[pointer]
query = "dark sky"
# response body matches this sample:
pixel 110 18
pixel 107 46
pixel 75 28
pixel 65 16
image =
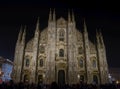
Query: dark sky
pixel 99 15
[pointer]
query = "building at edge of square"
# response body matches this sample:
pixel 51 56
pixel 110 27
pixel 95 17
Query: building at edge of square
pixel 60 53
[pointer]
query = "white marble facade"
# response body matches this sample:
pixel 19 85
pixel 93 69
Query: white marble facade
pixel 60 53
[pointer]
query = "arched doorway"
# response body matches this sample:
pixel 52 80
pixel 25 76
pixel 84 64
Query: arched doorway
pixel 26 78
pixel 61 77
pixel 95 79
pixel 40 79
pixel 82 78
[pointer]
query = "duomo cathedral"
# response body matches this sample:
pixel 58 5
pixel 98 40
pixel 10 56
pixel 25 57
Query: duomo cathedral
pixel 60 53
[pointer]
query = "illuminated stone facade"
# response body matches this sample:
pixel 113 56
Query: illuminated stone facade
pixel 60 53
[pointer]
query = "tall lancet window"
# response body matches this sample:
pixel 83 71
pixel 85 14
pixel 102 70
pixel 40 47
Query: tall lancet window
pixel 61 35
pixel 94 63
pixel 27 62
pixel 41 62
pixel 61 53
pixel 81 63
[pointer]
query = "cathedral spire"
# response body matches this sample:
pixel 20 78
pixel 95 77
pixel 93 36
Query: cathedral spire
pixel 24 34
pixel 69 18
pixel 73 17
pixel 97 33
pixel 20 34
pixel 50 15
pixel 101 37
pixel 37 25
pixel 54 15
pixel 85 26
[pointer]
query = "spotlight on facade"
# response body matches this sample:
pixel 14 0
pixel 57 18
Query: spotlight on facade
pixel 78 76
pixel 43 75
pixel 117 82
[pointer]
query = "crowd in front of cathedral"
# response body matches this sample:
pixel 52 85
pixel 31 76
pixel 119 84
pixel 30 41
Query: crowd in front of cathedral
pixel 54 85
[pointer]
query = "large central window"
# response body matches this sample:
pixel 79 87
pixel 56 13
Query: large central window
pixel 61 35
pixel 94 63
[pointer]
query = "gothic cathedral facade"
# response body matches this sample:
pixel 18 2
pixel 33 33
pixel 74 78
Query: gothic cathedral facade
pixel 60 53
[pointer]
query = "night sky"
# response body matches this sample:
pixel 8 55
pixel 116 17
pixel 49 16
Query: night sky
pixel 98 15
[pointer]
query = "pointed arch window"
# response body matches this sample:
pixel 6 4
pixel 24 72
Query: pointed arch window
pixel 41 62
pixel 80 50
pixel 94 63
pixel 61 53
pixel 81 63
pixel 27 62
pixel 61 35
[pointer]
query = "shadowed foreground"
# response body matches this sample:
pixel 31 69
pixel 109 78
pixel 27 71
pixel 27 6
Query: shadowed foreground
pixel 54 85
